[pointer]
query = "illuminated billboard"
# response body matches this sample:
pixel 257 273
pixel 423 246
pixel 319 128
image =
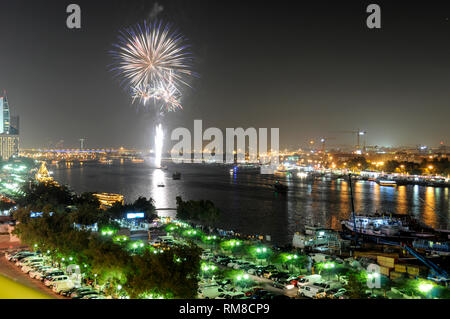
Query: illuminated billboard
pixel 135 215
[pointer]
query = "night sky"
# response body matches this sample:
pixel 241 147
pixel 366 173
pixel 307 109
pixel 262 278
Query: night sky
pixel 313 70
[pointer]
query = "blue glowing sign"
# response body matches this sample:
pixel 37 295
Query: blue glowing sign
pixel 38 214
pixel 135 215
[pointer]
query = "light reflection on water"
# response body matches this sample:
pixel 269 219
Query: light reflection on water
pixel 248 200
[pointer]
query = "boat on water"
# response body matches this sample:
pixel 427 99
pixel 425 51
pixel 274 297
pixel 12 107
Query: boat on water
pixel 391 226
pixel 105 161
pixel 176 175
pixel 281 188
pixel 161 185
pixel 384 226
pixel 387 182
pixel 318 238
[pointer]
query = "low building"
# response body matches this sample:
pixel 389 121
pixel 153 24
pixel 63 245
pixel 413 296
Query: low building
pixel 107 200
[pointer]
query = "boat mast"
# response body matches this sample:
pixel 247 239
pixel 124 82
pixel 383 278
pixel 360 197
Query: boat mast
pixel 353 207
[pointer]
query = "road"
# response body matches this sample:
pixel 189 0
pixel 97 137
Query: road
pixel 20 285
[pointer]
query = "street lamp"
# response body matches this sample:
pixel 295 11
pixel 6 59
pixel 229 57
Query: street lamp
pixel 243 278
pixel 425 287
pixel 328 266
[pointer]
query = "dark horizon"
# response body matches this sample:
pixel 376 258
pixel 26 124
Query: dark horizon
pixel 313 70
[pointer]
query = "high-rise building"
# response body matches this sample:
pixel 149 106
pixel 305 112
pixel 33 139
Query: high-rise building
pixel 9 145
pixel 6 114
pixel 9 134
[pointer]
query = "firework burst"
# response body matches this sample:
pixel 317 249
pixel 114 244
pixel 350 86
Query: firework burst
pixel 154 63
pixel 151 52
pixel 166 96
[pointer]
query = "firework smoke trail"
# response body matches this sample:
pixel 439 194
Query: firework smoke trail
pixel 159 137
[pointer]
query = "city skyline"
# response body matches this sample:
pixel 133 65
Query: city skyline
pixel 311 77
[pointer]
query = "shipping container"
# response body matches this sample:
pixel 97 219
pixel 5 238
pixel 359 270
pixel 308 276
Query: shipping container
pixel 395 275
pixel 400 268
pixel 384 270
pixel 386 261
pixel 413 270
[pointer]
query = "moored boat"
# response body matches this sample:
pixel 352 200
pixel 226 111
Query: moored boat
pixel 176 175
pixel 280 187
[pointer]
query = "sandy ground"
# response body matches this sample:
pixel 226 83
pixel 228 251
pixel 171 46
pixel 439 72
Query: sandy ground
pixel 11 271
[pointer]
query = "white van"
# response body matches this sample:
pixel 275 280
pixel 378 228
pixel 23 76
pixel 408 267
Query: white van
pixel 58 286
pixel 310 291
pixel 210 292
pixel 308 280
pixel 52 281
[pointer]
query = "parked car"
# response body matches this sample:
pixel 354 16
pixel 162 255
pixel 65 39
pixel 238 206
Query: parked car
pixel 50 282
pixel 210 292
pixel 307 280
pixel 31 266
pixel 327 288
pixel 52 273
pixel 280 277
pixel 59 285
pixel 39 270
pixel 21 255
pixel 259 293
pixel 10 255
pixel 328 284
pixel 293 280
pixel 81 292
pixel 310 290
pixel 29 260
pixel 237 295
pixel 337 293
pixel 93 296
pixel 46 272
pixel 67 292
pixel 278 285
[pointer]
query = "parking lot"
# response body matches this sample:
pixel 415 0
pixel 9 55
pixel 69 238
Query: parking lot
pixel 35 271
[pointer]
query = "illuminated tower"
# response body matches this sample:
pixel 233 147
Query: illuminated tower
pixel 9 135
pixel 6 114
